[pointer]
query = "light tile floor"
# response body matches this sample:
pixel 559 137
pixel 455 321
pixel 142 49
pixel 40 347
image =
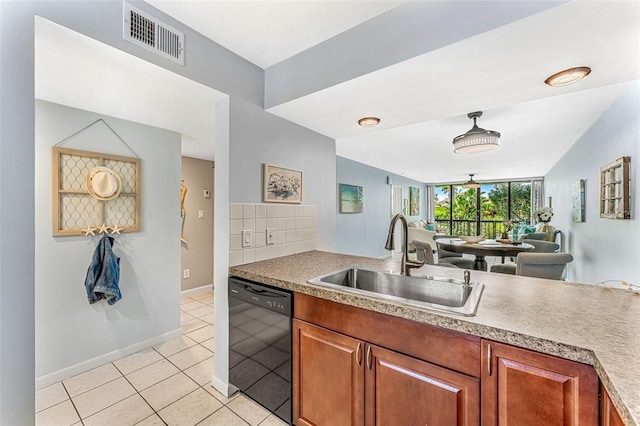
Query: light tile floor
pixel 168 384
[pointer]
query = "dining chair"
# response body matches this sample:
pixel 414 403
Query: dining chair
pixel 424 252
pixel 543 265
pixel 453 258
pixel 538 247
pixel 536 236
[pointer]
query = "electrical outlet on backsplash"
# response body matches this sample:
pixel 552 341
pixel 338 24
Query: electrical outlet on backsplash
pixel 294 229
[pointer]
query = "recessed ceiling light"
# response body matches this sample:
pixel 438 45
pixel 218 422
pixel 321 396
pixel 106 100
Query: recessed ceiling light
pixel 369 121
pixel 568 76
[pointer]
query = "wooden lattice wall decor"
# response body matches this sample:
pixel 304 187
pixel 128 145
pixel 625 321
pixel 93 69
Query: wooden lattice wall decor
pixel 75 210
pixel 615 198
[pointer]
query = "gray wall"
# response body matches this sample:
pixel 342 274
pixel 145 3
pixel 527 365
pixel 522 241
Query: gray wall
pixel 365 233
pixel 207 63
pixel 259 138
pixel 71 335
pixel 197 253
pixel 603 249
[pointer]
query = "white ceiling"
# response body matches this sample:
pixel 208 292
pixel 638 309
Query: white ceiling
pixel 423 101
pixel 266 32
pixel 69 66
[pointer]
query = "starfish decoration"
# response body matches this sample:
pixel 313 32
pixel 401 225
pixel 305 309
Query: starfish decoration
pixel 115 229
pixel 104 229
pixel 89 231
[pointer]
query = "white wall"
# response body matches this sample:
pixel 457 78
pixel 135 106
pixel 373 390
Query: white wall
pixel 603 249
pixel 71 335
pixel 294 231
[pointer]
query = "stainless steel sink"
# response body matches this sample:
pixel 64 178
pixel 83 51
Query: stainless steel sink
pixel 444 294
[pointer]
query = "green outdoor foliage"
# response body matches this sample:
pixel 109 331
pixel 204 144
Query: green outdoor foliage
pixel 494 208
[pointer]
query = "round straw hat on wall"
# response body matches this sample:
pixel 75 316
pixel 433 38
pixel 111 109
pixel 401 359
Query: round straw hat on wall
pixel 103 183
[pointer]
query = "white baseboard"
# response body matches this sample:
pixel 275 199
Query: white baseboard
pixel 196 290
pixel 90 364
pixel 226 389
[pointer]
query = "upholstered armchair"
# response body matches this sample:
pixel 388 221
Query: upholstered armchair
pixel 543 265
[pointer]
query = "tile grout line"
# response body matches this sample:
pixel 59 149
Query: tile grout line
pixel 72 403
pixel 180 370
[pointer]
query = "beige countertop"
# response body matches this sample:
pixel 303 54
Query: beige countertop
pixel 584 323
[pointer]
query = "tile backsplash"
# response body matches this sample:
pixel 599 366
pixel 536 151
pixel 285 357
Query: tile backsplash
pixel 294 230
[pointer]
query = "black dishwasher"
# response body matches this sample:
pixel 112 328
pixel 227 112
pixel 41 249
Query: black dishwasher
pixel 260 344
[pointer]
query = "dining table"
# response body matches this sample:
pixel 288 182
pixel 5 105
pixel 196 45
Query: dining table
pixel 481 249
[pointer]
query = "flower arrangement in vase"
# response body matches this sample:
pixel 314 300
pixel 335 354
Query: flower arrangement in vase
pixel 544 216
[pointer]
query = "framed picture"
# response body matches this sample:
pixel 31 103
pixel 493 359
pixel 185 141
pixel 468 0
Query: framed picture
pixel 577 201
pixel 351 198
pixel 414 201
pixel 281 185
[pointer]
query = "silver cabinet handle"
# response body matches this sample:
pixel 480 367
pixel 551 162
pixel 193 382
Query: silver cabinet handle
pixel 489 359
pixel 369 357
pixel 359 354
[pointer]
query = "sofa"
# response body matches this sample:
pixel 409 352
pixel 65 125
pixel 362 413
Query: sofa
pixel 534 233
pixel 418 231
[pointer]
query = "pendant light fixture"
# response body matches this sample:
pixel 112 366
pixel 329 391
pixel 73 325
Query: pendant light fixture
pixel 471 183
pixel 477 139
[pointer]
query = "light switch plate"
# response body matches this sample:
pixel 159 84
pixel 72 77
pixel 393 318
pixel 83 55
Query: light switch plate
pixel 270 235
pixel 200 214
pixel 247 238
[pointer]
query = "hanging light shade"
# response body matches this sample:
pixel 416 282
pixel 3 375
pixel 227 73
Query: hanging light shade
pixel 477 139
pixel 471 183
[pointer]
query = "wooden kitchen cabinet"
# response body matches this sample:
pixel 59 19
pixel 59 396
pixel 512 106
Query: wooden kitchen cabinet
pixel 609 416
pixel 328 378
pixel 339 380
pixel 525 387
pixel 400 390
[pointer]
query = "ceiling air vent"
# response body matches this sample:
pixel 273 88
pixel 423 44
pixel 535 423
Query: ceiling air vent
pixel 146 31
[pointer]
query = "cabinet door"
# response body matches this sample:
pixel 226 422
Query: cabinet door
pixel 401 390
pixel 525 387
pixel 608 413
pixel 328 377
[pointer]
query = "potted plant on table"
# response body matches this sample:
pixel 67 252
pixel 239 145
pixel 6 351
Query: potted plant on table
pixel 507 227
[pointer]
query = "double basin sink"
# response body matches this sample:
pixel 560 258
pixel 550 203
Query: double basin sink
pixel 443 294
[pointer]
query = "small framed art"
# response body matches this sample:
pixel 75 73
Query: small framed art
pixel 281 185
pixel 351 198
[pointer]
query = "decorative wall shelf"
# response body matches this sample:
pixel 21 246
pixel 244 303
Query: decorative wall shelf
pixel 615 197
pixel 75 209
